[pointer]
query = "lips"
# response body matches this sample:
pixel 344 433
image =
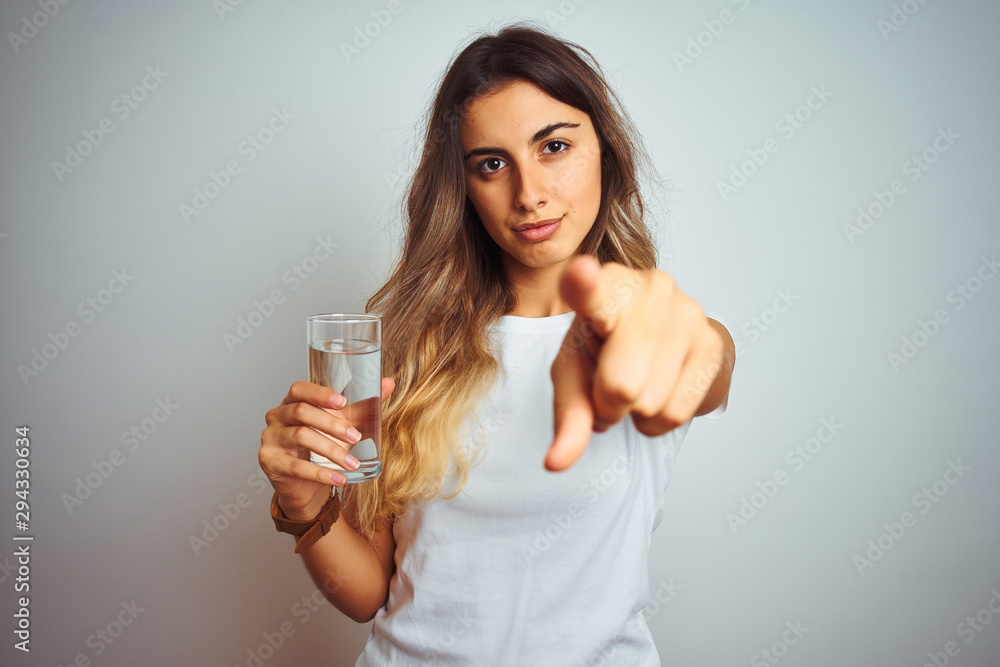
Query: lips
pixel 532 225
pixel 538 231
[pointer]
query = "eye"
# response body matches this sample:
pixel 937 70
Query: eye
pixel 558 142
pixel 492 161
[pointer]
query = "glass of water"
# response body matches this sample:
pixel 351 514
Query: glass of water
pixel 345 354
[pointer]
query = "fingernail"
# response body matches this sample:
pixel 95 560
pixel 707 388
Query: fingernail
pixel 338 401
pixel 351 462
pixel 336 479
pixel 353 434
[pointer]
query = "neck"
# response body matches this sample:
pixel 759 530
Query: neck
pixel 537 291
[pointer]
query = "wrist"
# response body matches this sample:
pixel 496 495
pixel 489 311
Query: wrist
pixel 306 530
pixel 307 513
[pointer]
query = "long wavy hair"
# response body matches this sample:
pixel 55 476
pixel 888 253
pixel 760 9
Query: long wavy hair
pixel 449 286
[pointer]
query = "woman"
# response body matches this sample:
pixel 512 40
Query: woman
pixel 526 296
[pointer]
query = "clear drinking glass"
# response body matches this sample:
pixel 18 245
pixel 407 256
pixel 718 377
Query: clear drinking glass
pixel 345 354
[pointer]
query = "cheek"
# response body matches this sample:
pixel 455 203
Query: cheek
pixel 589 186
pixel 485 205
pixel 595 181
pixel 582 179
pixel 476 197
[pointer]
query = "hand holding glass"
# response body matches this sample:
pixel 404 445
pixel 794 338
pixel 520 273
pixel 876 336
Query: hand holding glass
pixel 345 354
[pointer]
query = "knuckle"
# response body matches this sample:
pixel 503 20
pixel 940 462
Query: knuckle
pixel 656 426
pixel 266 461
pixel 300 411
pixel 268 441
pixel 645 409
pixel 620 391
pixel 676 415
pixel 295 468
pixel 301 434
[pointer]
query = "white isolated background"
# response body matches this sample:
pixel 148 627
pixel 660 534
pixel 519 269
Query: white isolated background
pixel 332 173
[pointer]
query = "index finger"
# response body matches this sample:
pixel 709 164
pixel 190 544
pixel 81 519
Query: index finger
pixel 573 414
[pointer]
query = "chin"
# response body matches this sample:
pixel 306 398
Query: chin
pixel 544 262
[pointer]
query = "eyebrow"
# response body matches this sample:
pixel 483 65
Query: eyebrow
pixel 538 136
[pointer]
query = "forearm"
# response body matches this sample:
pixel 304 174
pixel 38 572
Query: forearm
pixel 720 387
pixel 347 569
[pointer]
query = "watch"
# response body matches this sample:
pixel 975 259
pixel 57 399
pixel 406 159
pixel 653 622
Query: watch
pixel 307 531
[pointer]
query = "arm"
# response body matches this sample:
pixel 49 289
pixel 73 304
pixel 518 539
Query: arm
pixel 352 574
pixel 720 387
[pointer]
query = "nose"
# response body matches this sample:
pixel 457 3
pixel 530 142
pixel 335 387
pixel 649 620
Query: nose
pixel 531 192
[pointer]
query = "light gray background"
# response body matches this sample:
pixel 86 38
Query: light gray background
pixel 330 174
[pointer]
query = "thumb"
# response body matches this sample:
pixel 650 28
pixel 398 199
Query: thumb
pixel 584 286
pixel 572 374
pixel 388 386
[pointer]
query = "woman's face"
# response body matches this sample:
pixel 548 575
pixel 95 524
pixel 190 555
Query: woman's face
pixel 528 159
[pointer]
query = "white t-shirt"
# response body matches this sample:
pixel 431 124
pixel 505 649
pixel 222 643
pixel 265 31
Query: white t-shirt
pixel 527 566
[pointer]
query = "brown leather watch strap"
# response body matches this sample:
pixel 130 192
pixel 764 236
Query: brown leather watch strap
pixel 307 531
